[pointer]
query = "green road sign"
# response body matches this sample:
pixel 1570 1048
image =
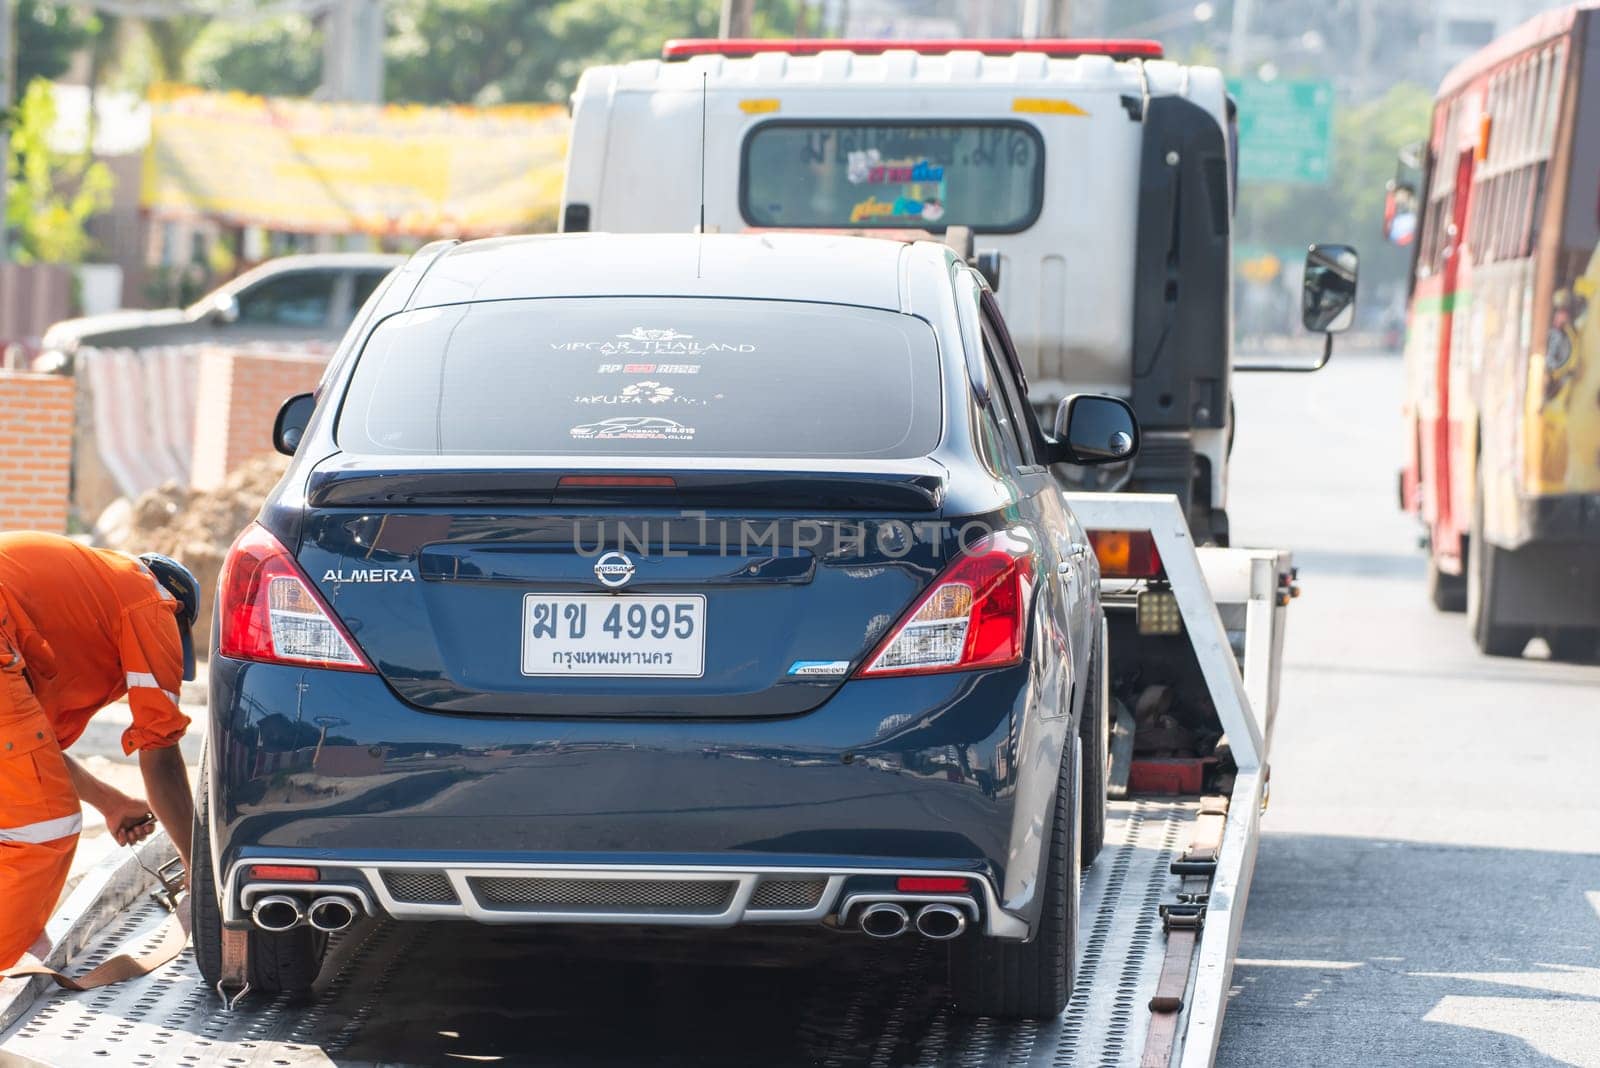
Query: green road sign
pixel 1285 127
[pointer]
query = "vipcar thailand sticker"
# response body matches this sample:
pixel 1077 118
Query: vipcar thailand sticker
pixel 653 341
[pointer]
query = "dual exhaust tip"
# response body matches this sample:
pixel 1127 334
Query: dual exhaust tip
pixel 328 913
pixel 888 919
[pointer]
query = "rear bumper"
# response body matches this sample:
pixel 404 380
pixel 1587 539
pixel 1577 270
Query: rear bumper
pixel 939 775
pixel 683 895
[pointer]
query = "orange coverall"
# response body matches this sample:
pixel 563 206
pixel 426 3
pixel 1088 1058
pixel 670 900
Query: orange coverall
pixel 79 628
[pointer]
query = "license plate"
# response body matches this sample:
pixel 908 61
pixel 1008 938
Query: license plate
pixel 611 634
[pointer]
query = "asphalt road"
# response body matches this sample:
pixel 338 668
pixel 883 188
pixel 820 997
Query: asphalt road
pixel 1428 887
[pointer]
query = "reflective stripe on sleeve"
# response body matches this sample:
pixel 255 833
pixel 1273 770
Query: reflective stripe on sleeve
pixel 143 680
pixel 44 830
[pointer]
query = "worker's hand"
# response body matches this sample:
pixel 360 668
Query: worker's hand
pixel 128 818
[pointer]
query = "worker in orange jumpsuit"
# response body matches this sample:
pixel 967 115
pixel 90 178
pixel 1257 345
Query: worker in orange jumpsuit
pixel 79 628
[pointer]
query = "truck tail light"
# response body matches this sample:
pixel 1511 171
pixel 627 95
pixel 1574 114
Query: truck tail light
pixel 975 615
pixel 270 612
pixel 1126 553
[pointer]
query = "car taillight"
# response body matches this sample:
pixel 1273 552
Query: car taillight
pixel 270 612
pixel 1126 553
pixel 975 615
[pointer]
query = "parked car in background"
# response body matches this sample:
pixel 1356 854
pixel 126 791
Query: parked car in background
pixel 292 299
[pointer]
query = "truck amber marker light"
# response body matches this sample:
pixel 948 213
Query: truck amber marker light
pixel 1126 553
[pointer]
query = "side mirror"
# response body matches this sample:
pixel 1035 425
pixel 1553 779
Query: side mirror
pixel 1327 303
pixel 988 265
pixel 1094 429
pixel 224 309
pixel 293 418
pixel 1328 290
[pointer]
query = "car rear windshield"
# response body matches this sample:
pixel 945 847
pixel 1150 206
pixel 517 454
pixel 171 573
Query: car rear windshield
pixel 926 176
pixel 659 377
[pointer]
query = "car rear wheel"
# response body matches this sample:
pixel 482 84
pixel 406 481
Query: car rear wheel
pixel 1096 735
pixel 1033 979
pixel 287 962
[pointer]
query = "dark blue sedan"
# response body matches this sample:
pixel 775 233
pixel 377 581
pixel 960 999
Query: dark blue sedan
pixel 665 581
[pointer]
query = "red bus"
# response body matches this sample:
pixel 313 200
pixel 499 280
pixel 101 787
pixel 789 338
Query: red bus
pixel 1503 337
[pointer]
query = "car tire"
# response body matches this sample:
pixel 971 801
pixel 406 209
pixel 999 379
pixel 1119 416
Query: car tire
pixel 1448 593
pixel 282 963
pixel 1485 568
pixel 1031 980
pixel 1096 735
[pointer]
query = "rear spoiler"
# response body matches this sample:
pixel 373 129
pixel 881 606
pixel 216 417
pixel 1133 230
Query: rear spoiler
pixel 893 491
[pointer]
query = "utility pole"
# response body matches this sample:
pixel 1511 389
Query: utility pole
pixel 1239 37
pixel 352 67
pixel 1046 18
pixel 352 51
pixel 7 32
pixel 736 16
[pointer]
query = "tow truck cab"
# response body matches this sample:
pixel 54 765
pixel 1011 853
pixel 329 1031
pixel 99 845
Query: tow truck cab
pixel 1097 175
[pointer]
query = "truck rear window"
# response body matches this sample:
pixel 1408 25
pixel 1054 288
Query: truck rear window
pixel 646 377
pixel 925 176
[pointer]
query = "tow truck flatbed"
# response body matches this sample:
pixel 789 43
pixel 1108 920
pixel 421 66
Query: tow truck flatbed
pixel 555 997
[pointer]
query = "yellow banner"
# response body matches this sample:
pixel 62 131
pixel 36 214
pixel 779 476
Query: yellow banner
pixel 311 167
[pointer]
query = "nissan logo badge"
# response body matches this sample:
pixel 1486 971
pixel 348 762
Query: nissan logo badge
pixel 613 569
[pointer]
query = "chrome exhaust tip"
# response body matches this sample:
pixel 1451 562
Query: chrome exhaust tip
pixel 277 912
pixel 331 913
pixel 940 922
pixel 884 919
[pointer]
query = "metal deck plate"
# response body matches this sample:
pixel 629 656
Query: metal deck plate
pixel 429 993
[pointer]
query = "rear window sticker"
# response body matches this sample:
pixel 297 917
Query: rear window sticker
pixel 643 393
pixel 652 341
pixel 633 428
pixel 648 369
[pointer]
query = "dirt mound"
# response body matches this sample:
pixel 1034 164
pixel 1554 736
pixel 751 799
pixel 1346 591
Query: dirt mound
pixel 195 527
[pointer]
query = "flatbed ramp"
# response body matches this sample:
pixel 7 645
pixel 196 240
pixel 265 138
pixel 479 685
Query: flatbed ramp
pixel 441 993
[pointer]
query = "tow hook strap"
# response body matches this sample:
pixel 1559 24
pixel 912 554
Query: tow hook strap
pixel 171 937
pixel 1183 920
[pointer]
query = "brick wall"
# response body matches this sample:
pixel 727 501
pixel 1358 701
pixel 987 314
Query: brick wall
pixel 238 397
pixel 35 450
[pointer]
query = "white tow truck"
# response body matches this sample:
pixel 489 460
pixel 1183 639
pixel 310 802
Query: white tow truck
pixel 1196 630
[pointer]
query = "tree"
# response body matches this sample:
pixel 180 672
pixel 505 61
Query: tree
pixel 279 56
pixel 493 51
pixel 50 196
pixel 47 37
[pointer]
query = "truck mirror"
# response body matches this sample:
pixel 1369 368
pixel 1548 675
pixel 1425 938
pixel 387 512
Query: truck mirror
pixel 1095 429
pixel 988 265
pixel 293 418
pixel 1328 291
